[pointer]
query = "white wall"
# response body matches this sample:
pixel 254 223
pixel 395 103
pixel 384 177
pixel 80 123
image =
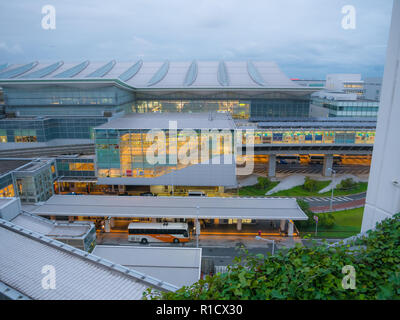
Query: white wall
pixel 383 196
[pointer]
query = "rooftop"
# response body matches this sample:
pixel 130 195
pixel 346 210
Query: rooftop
pixel 162 121
pixel 171 207
pixel 51 228
pixel 157 74
pixel 80 275
pixel 178 266
pixel 10 165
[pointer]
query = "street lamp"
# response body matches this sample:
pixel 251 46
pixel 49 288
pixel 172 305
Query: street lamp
pixel 333 187
pixel 271 241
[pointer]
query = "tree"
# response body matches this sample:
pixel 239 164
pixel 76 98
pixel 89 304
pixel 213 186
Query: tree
pixel 310 184
pixel 263 183
pixel 347 184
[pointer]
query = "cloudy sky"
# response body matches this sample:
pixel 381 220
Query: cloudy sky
pixel 305 37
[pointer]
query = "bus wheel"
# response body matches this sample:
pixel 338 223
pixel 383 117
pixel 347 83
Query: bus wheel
pixel 176 240
pixel 144 241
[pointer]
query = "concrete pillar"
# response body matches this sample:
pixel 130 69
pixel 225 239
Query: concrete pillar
pixel 121 188
pixel 239 225
pixel 290 228
pixel 112 222
pixel 107 226
pixel 283 225
pixel 272 165
pixel 221 189
pixel 328 163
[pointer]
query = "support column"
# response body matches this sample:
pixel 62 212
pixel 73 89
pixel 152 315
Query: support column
pixel 197 224
pixel 239 225
pixel 107 226
pixel 112 222
pixel 290 228
pixel 328 163
pixel 283 225
pixel 221 189
pixel 272 165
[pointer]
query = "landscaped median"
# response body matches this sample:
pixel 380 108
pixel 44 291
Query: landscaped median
pixel 310 188
pixel 346 223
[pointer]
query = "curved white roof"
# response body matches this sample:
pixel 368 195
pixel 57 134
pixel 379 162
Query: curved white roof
pixel 158 74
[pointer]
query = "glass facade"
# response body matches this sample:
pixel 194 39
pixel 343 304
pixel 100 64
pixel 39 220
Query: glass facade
pixel 279 108
pixel 356 108
pixel 325 136
pixel 60 95
pixel 42 130
pixel 75 167
pixel 254 109
pixel 238 109
pixel 124 153
pixel 34 181
pixel 7 186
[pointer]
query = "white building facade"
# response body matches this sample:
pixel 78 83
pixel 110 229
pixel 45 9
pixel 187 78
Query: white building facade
pixel 383 195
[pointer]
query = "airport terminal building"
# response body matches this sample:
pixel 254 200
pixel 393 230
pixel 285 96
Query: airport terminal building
pixel 103 112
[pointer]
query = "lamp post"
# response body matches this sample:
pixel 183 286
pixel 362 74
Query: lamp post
pixel 271 241
pixel 333 179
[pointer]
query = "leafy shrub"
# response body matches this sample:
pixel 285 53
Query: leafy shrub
pixel 263 183
pixel 347 184
pixel 326 220
pixel 305 207
pixel 310 184
pixel 308 272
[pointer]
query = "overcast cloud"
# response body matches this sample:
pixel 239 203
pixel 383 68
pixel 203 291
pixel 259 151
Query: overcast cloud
pixel 304 37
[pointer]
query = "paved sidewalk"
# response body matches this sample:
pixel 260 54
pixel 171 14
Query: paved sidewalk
pixel 340 206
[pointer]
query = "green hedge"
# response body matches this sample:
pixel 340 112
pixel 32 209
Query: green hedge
pixel 308 272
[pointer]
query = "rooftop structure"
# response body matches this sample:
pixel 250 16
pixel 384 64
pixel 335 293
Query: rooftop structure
pixel 79 275
pixel 81 235
pixel 178 266
pixel 150 121
pixel 160 74
pixel 172 207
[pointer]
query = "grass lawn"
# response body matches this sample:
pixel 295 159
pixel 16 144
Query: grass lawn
pixel 361 187
pixel 299 191
pixel 347 224
pixel 253 191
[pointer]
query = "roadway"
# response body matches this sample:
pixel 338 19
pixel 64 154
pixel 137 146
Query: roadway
pixel 325 201
pixel 314 169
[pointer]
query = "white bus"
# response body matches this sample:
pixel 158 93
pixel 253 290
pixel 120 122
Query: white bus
pixel 158 232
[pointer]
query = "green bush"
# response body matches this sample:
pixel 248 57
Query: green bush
pixel 308 273
pixel 310 184
pixel 263 183
pixel 347 184
pixel 306 209
pixel 326 220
